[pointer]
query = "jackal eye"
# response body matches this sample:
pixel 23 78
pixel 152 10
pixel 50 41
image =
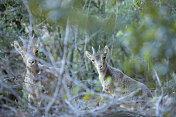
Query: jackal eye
pixel 93 61
pixel 36 52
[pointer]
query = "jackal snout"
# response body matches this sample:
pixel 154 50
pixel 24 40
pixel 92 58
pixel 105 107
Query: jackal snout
pixel 30 62
pixel 100 67
pixel 29 51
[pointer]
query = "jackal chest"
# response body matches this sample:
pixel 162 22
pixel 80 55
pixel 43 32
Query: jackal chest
pixel 31 84
pixel 106 83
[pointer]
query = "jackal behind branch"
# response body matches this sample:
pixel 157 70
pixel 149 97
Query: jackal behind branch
pixel 40 80
pixel 114 81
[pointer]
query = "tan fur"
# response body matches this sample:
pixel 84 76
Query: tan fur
pixel 40 80
pixel 114 81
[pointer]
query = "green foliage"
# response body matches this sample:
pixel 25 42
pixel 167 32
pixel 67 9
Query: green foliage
pixel 87 96
pixel 141 36
pixel 75 90
pixel 66 96
pixel 154 40
pixel 57 14
pixel 137 4
pixel 24 98
pixel 108 80
pixel 124 90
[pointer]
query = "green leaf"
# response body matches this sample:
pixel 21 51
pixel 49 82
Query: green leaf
pixel 66 96
pixel 124 90
pixel 109 79
pixel 119 33
pixel 75 90
pixel 39 72
pixel 87 96
pixel 115 84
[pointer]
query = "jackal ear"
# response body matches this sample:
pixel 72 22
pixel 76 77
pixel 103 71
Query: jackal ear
pixel 37 43
pixel 17 47
pixel 105 50
pixel 89 55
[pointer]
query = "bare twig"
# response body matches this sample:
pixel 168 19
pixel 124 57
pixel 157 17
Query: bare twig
pixel 9 11
pixel 84 5
pixel 10 107
pixel 76 35
pixel 61 70
pixel 86 38
pixel 83 41
pixel 25 2
pixel 158 112
pixel 11 90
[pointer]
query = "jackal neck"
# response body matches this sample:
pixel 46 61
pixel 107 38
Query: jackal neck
pixel 103 72
pixel 34 70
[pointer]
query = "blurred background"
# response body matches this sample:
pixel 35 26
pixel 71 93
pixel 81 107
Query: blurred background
pixel 141 36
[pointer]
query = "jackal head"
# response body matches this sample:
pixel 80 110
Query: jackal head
pixel 28 51
pixel 98 58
